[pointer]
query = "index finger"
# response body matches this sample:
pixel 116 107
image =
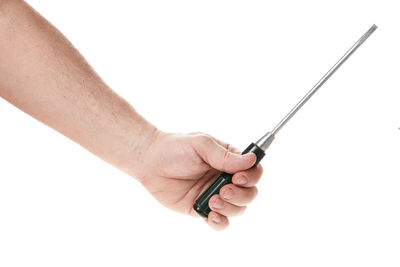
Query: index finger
pixel 248 178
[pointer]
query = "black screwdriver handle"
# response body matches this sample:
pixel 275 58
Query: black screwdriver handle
pixel 201 204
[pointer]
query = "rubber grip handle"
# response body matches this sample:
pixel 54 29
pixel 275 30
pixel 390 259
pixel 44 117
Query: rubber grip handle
pixel 201 204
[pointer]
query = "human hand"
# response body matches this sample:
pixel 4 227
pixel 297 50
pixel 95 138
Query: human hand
pixel 66 94
pixel 178 167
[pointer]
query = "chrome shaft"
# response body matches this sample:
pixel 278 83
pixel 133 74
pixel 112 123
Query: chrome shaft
pixel 267 139
pixel 323 80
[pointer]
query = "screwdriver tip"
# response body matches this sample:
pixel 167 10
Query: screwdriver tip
pixel 371 30
pixel 367 34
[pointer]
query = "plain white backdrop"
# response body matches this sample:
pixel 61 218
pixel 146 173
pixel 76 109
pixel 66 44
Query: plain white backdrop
pixel 330 193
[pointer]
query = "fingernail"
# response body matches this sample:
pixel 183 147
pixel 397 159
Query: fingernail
pixel 218 204
pixel 242 180
pixel 249 155
pixel 216 219
pixel 228 194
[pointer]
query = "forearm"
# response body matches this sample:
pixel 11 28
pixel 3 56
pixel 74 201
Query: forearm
pixel 45 76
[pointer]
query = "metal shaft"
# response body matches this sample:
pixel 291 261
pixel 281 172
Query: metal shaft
pixel 201 205
pixel 267 139
pixel 323 80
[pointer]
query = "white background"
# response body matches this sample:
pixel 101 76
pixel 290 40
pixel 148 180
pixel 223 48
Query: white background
pixel 330 193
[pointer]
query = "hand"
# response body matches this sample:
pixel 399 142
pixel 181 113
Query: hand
pixel 66 94
pixel 178 167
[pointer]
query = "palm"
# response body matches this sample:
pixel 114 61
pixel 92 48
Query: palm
pixel 178 174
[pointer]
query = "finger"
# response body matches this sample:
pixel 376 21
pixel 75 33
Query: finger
pixel 221 158
pixel 217 221
pixel 222 143
pixel 239 196
pixel 229 147
pixel 248 178
pixel 217 204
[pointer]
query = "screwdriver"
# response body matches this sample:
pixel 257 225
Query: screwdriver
pixel 201 204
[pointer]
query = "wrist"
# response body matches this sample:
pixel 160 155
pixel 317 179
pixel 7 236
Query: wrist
pixel 142 137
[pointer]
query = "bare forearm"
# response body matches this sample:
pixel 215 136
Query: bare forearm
pixel 42 74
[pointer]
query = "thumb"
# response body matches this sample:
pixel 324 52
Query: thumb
pixel 221 158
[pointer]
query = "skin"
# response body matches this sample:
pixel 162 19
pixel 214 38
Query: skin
pixel 42 74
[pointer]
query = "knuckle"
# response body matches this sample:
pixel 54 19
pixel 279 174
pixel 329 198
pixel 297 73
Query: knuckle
pixel 196 133
pixel 227 156
pixel 260 169
pixel 242 210
pixel 229 147
pixel 228 187
pixel 255 192
pixel 204 138
pixel 237 211
pixel 213 200
pixel 199 137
